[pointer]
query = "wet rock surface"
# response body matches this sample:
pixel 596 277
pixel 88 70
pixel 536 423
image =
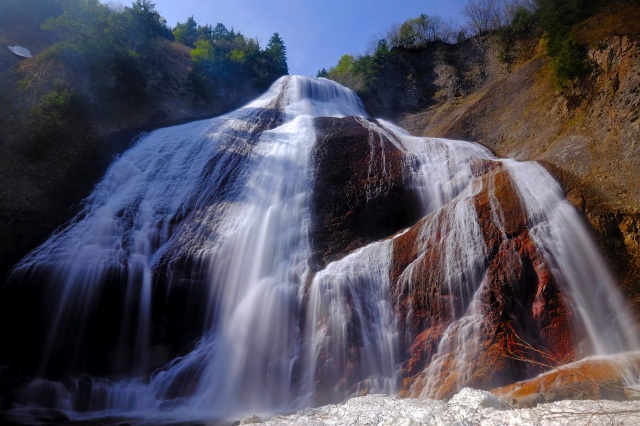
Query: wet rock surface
pixel 595 378
pixel 520 303
pixel 360 191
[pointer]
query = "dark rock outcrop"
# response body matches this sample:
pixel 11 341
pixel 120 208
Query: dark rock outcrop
pixel 360 187
pixel 411 80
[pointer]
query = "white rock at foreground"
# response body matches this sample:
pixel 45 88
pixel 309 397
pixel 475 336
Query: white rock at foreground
pixel 467 408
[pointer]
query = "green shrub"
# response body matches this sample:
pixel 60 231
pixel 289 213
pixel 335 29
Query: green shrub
pixel 559 19
pixel 23 84
pixel 48 120
pixel 570 61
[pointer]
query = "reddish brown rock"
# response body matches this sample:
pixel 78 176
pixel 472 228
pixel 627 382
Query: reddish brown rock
pixel 423 347
pixel 524 322
pixel 594 378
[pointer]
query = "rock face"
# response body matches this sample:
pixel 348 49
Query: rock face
pixel 592 378
pixel 361 190
pixel 468 272
pixel 417 265
pixel 514 306
pixel 416 79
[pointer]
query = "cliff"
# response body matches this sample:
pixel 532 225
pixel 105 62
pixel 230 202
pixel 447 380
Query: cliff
pixel 586 136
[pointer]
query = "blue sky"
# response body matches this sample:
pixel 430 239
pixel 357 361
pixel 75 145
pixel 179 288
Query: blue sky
pixel 316 32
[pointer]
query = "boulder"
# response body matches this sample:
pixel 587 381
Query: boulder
pixel 603 377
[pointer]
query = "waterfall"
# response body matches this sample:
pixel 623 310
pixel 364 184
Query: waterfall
pixel 353 290
pixel 558 230
pixel 197 248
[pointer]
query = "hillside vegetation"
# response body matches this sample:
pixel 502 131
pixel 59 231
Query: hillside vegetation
pixel 100 75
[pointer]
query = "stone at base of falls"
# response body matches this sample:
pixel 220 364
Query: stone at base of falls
pixel 591 378
pixel 251 420
pixel 476 398
pixel 520 304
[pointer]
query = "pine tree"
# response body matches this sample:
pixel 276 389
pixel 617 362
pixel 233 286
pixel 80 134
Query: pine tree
pixel 276 54
pixel 186 33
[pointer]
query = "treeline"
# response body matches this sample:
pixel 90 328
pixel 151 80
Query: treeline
pixel 124 45
pixel 362 72
pixel 225 54
pixel 118 46
pixel 102 59
pixel 560 22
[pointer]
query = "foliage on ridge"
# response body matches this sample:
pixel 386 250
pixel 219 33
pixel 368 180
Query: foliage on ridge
pixel 569 27
pixel 122 45
pixel 121 51
pixel 224 56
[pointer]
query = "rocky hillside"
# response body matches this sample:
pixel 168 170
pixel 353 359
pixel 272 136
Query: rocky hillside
pixel 504 96
pixel 52 158
pixel 64 118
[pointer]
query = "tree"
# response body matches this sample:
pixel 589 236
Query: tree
pixel 276 55
pixel 139 26
pixel 27 13
pixel 427 29
pixel 203 52
pixel 343 71
pixel 146 18
pixel 85 25
pixel 482 15
pixel 221 32
pixel 407 35
pixel 393 35
pixel 382 50
pixel 417 32
pixel 486 15
pixel 186 33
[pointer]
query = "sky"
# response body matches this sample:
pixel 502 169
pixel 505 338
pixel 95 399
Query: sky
pixel 316 32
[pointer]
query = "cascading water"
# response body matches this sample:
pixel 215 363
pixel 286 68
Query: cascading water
pixel 557 230
pixel 217 215
pixel 353 290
